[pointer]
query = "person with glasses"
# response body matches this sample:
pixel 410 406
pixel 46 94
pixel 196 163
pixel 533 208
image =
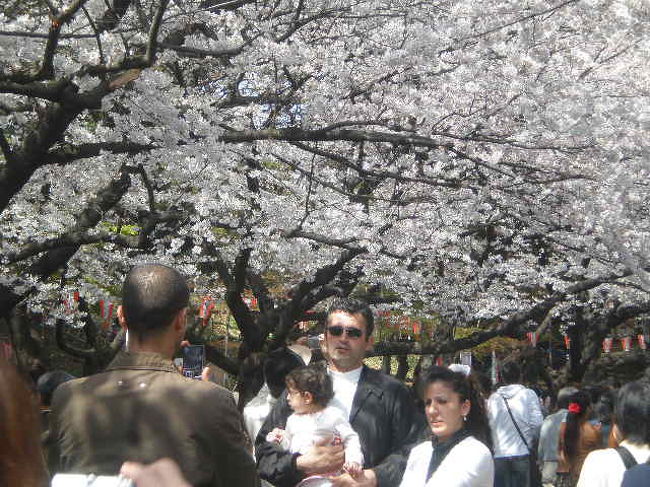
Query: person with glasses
pixel 379 408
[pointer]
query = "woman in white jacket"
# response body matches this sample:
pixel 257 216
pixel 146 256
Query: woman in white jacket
pixel 457 455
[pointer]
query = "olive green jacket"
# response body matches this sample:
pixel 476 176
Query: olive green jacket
pixel 142 409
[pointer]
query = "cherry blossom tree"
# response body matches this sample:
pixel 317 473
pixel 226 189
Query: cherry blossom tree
pixel 483 160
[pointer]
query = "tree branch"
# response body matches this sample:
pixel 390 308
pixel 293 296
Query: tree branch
pixel 71 239
pixel 5 147
pixel 152 39
pixel 63 344
pixel 86 219
pixel 70 153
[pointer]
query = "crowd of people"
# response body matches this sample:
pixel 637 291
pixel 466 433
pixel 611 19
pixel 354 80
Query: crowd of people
pixel 335 423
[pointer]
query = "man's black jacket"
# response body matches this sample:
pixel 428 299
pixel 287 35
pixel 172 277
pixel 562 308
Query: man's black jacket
pixel 383 415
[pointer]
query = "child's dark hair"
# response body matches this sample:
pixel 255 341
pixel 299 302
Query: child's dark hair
pixel 312 379
pixel 468 389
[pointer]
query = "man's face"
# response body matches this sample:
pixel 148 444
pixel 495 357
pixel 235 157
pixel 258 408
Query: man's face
pixel 346 341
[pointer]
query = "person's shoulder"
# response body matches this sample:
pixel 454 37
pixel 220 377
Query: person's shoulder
pixel 208 388
pixel 381 379
pixel 602 456
pixel 69 389
pixel 474 448
pixel 421 449
pixel 332 412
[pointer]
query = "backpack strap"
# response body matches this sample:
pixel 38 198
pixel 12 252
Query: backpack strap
pixel 628 460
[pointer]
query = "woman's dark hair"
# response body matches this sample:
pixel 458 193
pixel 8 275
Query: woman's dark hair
pixel 468 389
pixel 578 408
pixel 313 379
pixel 632 412
pixel 21 459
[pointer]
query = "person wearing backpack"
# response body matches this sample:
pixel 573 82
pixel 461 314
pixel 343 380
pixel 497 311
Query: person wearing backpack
pixel 637 476
pixel 606 468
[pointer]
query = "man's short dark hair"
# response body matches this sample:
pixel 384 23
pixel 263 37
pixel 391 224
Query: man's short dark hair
pixel 564 396
pixel 511 372
pixel 48 382
pixel 632 412
pixel 152 295
pixel 276 367
pixel 353 307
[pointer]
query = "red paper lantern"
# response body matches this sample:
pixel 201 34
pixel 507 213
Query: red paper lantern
pixel 607 344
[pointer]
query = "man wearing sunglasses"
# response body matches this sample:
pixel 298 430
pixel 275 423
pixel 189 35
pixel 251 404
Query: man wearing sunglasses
pixel 379 408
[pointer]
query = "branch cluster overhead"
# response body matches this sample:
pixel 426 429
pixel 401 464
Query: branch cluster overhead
pixel 482 160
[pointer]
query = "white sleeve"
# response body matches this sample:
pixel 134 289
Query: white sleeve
pixel 350 440
pixel 535 416
pixel 415 472
pixel 289 431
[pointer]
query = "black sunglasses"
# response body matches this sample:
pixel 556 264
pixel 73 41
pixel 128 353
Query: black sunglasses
pixel 337 331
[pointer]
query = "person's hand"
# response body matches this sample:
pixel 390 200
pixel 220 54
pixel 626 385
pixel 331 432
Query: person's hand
pixel 161 473
pixel 366 478
pixel 275 436
pixel 321 459
pixel 207 375
pixel 353 468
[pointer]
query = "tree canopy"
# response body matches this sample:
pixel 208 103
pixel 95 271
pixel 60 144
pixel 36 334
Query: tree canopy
pixel 485 160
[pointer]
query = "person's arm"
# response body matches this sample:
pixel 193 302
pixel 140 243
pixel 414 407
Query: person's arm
pixel 235 464
pixel 274 463
pixel 535 417
pixel 161 473
pixel 407 424
pixel 350 441
pixel 283 468
pixel 51 441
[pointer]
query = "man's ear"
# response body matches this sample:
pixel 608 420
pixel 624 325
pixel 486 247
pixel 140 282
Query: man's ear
pixel 120 317
pixel 180 321
pixel 370 343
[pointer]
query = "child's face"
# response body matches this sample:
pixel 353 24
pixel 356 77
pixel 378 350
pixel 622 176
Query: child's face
pixel 300 402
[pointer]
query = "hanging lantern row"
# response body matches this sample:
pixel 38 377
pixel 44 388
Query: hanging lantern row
pixel 71 302
pixel 626 343
pixel 205 309
pixel 398 327
pixel 106 312
pixel 251 302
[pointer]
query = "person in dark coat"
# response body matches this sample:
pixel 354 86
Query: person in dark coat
pixel 379 408
pixel 141 408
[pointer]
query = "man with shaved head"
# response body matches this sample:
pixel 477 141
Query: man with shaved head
pixel 141 408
